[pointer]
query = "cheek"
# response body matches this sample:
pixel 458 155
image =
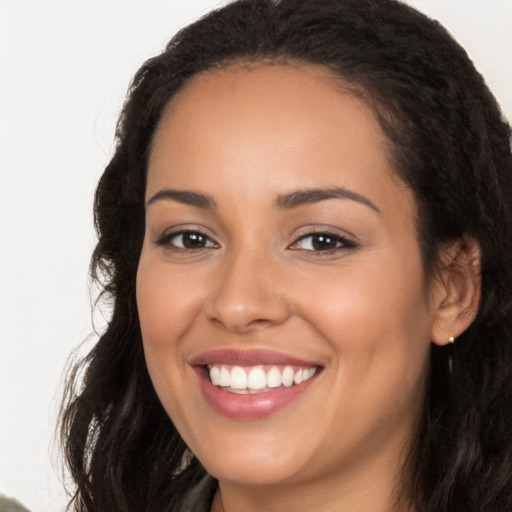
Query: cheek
pixel 358 300
pixel 164 308
pixel 166 301
pixel 376 323
pixel 377 327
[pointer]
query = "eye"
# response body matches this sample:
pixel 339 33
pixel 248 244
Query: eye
pixel 186 240
pixel 322 242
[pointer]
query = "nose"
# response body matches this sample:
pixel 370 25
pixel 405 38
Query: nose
pixel 247 295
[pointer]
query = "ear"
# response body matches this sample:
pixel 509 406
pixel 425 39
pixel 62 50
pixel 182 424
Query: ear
pixel 456 289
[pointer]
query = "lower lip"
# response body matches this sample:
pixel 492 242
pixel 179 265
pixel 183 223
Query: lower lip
pixel 251 406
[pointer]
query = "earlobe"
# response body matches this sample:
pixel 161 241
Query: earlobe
pixel 457 287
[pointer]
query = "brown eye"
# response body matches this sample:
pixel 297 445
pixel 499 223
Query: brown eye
pixel 191 240
pixel 322 242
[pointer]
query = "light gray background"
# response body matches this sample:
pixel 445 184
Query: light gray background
pixel 64 69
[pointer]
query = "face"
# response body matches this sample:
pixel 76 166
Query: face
pixel 280 289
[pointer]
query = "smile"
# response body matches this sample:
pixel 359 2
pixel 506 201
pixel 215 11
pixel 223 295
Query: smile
pixel 253 384
pixel 257 379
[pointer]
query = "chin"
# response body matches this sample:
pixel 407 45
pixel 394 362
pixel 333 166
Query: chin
pixel 264 473
pixel 257 465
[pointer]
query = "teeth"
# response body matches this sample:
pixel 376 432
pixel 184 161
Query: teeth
pixel 308 373
pixel 252 380
pixel 225 377
pixel 238 378
pixel 274 377
pixel 257 378
pixel 215 375
pixel 288 375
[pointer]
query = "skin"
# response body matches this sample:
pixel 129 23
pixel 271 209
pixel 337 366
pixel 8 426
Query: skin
pixel 244 136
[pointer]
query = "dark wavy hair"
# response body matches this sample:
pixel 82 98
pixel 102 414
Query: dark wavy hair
pixel 450 145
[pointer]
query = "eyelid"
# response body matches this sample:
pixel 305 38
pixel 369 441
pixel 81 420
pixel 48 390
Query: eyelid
pixel 165 239
pixel 344 241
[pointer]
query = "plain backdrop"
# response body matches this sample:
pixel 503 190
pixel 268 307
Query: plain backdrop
pixel 64 70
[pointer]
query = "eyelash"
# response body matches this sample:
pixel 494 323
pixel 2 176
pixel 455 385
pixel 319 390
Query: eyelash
pixel 167 239
pixel 341 243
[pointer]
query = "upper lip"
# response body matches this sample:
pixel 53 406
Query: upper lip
pixel 248 358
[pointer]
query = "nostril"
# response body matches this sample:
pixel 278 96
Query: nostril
pixel 240 318
pixel 261 321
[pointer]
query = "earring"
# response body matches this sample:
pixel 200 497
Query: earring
pixel 451 341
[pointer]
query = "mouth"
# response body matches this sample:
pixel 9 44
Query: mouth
pixel 257 379
pixel 255 384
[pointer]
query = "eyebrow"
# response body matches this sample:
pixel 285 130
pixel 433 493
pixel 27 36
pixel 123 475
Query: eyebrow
pixel 283 201
pixel 315 195
pixel 185 197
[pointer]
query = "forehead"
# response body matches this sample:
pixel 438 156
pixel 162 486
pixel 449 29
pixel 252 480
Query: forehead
pixel 299 92
pixel 297 101
pixel 292 126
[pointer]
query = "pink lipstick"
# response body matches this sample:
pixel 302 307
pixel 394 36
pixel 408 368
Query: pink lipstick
pixel 252 384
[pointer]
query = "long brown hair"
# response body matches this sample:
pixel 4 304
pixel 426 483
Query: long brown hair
pixel 451 146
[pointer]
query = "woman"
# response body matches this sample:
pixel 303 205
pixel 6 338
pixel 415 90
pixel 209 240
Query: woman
pixel 304 232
